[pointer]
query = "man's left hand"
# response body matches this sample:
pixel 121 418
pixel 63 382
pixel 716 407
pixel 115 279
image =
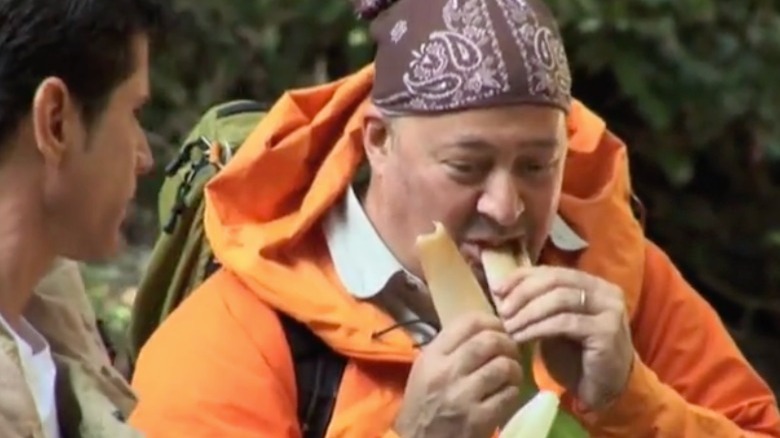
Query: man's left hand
pixel 581 323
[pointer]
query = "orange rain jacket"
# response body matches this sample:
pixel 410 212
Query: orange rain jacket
pixel 219 366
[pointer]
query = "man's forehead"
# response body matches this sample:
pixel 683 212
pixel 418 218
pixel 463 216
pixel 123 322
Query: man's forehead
pixel 137 86
pixel 488 141
pixel 477 129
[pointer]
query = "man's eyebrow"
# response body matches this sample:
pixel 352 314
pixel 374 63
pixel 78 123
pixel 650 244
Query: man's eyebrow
pixel 481 144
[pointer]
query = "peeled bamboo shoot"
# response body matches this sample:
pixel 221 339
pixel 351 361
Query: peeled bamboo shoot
pixel 536 417
pixel 455 291
pixel 453 287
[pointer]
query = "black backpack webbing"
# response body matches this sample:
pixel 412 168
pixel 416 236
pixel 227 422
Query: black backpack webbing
pixel 318 371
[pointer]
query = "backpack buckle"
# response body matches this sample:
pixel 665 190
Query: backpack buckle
pixel 180 204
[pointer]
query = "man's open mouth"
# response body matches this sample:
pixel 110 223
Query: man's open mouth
pixel 472 250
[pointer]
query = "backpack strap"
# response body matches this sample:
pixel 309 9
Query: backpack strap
pixel 318 372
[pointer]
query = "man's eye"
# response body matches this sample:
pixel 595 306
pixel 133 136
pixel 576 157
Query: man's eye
pixel 535 168
pixel 464 167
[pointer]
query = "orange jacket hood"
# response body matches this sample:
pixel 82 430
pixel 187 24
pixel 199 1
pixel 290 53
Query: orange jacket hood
pixel 301 158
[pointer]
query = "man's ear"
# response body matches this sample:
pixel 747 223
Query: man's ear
pixel 376 136
pixel 53 113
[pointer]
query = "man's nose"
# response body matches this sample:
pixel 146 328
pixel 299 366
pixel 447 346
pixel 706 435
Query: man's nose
pixel 144 160
pixel 501 202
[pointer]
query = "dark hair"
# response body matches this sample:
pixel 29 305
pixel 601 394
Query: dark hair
pixel 370 9
pixel 86 43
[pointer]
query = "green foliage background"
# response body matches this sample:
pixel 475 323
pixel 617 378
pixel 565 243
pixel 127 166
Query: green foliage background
pixel 690 85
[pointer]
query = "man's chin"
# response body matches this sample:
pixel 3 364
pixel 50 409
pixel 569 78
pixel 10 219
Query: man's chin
pixel 116 246
pixel 104 251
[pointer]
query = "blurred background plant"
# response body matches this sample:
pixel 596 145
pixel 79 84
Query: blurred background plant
pixel 690 85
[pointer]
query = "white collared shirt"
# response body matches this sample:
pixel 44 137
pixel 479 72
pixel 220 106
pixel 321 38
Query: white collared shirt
pixel 39 372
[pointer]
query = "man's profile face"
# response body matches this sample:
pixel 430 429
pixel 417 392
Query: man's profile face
pixel 87 191
pixel 492 177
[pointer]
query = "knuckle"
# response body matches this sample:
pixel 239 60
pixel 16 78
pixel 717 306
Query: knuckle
pixel 620 305
pixel 489 344
pixel 473 423
pixel 453 406
pixel 510 402
pixel 594 283
pixel 609 329
pixel 471 323
pixel 502 368
pixel 478 321
pixel 613 292
pixel 452 399
pixel 500 373
pixel 615 326
pixel 490 340
pixel 564 299
pixel 612 307
pixel 502 344
pixel 434 370
pixel 509 369
pixel 503 406
pixel 512 394
pixel 439 376
pixel 612 296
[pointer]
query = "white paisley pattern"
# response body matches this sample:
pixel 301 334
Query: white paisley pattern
pixel 457 65
pixel 541 50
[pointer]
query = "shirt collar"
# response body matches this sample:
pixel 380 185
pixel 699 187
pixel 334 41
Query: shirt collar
pixel 363 261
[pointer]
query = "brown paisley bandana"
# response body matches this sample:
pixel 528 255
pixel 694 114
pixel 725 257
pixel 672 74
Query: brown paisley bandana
pixel 448 55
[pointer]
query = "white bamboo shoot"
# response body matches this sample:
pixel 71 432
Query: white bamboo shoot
pixel 535 419
pixel 453 287
pixel 455 291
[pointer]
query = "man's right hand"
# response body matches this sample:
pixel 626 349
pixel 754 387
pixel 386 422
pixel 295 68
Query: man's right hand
pixel 465 383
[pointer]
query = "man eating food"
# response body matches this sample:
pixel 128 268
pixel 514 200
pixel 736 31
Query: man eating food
pixel 465 118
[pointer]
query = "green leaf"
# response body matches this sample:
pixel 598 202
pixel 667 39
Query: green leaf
pixel 773 238
pixel 677 166
pixel 655 111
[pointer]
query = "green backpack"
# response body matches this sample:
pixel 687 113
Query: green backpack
pixel 182 259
